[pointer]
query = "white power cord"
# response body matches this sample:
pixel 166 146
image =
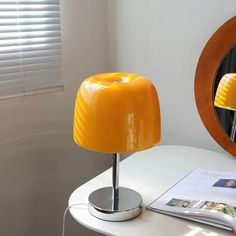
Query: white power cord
pixel 64 216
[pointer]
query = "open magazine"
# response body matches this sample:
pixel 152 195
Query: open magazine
pixel 203 195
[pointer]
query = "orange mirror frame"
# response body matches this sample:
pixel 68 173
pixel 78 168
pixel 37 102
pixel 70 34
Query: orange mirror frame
pixel 213 53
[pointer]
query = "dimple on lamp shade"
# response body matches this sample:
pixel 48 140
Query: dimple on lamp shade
pixel 116 113
pixel 226 97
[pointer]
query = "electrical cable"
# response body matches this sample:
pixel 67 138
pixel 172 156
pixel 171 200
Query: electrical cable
pixel 64 216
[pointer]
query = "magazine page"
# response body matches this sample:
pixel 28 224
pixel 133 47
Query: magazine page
pixel 202 194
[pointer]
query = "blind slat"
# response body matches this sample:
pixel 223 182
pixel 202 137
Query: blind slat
pixel 29 41
pixel 29 21
pixel 30 54
pixel 27 35
pixel 29 2
pixel 28 7
pixel 30 47
pixel 31 67
pixel 12 17
pixel 29 61
pixel 28 28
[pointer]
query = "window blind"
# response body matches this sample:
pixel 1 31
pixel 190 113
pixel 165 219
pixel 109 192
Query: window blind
pixel 30 46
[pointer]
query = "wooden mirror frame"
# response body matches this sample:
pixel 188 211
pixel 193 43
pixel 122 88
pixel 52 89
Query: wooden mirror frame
pixel 211 57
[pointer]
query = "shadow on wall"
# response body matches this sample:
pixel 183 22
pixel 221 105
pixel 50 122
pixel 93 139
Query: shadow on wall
pixel 37 175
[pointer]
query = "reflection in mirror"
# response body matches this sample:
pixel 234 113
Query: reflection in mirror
pixel 225 93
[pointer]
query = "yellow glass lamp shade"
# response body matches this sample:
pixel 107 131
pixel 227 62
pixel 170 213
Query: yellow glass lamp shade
pixel 226 92
pixel 117 113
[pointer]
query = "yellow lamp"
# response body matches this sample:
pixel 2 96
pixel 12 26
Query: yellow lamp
pixel 226 97
pixel 116 113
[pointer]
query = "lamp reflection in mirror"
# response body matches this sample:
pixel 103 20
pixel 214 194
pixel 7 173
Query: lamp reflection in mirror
pixel 226 97
pixel 116 113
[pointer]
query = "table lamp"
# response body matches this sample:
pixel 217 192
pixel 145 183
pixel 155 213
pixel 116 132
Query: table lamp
pixel 116 113
pixel 226 97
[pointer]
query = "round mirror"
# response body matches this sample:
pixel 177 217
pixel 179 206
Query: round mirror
pixel 217 59
pixel 224 91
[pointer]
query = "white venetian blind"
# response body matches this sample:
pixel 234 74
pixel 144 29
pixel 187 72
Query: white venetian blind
pixel 30 46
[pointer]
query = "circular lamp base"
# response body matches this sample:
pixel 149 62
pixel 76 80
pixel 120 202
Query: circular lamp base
pixel 127 207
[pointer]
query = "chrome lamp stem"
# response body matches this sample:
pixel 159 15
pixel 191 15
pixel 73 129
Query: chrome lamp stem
pixel 115 180
pixel 233 130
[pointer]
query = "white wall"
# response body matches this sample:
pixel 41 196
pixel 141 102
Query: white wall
pixel 163 40
pixel 39 163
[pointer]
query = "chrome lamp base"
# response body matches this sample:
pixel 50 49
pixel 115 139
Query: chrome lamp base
pixel 126 205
